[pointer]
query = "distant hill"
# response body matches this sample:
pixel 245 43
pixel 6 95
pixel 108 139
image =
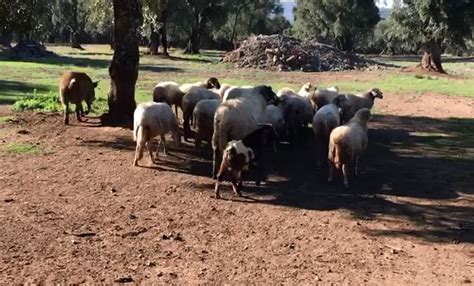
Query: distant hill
pixel 288 11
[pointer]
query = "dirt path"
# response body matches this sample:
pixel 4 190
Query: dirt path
pixel 78 212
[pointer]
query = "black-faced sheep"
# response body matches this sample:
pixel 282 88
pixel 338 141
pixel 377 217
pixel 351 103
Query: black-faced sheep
pixel 325 120
pixel 355 102
pixel 151 119
pixel 75 87
pixel 238 117
pixel 347 143
pixel 240 154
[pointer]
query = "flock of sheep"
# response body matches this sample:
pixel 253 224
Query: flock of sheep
pixel 240 122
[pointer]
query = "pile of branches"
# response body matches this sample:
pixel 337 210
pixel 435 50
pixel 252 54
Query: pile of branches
pixel 283 53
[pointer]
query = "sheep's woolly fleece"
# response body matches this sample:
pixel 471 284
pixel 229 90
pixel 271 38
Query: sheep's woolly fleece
pixel 241 149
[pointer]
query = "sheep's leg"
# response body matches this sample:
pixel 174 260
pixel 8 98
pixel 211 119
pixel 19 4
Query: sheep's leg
pixel 163 141
pixel 356 166
pixel 176 111
pixel 148 146
pixel 216 189
pixel 138 153
pixel 345 172
pixel 215 156
pixel 66 113
pixel 236 188
pixel 331 172
pixel 79 111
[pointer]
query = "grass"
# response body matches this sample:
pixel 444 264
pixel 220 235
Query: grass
pixel 33 84
pixel 5 119
pixel 23 148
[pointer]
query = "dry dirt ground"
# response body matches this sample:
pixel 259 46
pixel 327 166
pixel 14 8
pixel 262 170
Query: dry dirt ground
pixel 76 211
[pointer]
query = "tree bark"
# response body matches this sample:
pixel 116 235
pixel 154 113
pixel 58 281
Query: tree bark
pixel 153 48
pixel 73 40
pixel 123 69
pixel 431 59
pixel 6 38
pixel 163 32
pixel 195 39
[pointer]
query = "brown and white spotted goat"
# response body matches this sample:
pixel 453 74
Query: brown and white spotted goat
pixel 240 154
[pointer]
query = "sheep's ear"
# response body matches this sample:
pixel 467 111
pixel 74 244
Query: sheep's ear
pixel 96 83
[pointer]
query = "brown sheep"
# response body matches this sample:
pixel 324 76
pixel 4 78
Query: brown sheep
pixel 74 87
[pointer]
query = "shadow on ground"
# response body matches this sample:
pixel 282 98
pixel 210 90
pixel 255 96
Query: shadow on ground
pixel 415 169
pixel 11 90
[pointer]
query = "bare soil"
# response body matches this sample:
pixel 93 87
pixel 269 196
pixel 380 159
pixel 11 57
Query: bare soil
pixel 79 212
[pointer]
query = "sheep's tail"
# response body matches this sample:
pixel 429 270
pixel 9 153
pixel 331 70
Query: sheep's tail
pixel 336 153
pixel 71 83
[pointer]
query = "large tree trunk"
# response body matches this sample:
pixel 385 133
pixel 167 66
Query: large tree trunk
pixel 194 42
pixel 6 38
pixel 154 43
pixel 163 32
pixel 123 69
pixel 164 39
pixel 73 40
pixel 431 59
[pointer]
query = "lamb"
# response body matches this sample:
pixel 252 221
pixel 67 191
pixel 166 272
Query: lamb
pixel 190 100
pixel 172 93
pixel 347 143
pixel 325 120
pixel 240 154
pixel 236 92
pixel 204 120
pixel 355 102
pixel 238 117
pixel 74 87
pixel 151 119
pixel 321 97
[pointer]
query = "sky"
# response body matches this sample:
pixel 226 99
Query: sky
pixel 381 3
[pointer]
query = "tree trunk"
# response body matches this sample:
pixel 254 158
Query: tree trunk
pixel 153 48
pixel 431 59
pixel 123 69
pixel 74 42
pixel 6 39
pixel 194 42
pixel 164 39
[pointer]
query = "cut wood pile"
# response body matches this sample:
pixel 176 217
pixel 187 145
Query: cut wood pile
pixel 283 53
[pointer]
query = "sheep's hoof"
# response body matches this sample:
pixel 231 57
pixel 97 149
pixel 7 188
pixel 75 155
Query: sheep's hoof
pixel 329 180
pixel 257 183
pixel 217 196
pixel 346 186
pixel 135 164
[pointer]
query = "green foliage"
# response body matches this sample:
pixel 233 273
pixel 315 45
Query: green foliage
pixel 449 22
pixel 338 21
pixel 44 102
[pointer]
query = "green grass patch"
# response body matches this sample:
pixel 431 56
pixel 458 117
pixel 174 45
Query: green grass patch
pixel 23 148
pixel 7 118
pixel 40 102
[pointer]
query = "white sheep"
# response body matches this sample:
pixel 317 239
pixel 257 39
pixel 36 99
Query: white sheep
pixel 190 100
pixel 235 118
pixel 172 93
pixel 151 119
pixel 325 120
pixel 306 90
pixel 236 92
pixel 355 102
pixel 274 115
pixel 204 120
pixel 347 143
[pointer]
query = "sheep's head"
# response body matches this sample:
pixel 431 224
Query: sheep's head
pixel 213 83
pixel 376 93
pixel 269 135
pixel 363 114
pixel 267 93
pixel 339 100
pixel 308 87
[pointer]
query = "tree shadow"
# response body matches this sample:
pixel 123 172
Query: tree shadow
pixel 416 169
pixel 11 90
pixel 417 58
pixel 158 68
